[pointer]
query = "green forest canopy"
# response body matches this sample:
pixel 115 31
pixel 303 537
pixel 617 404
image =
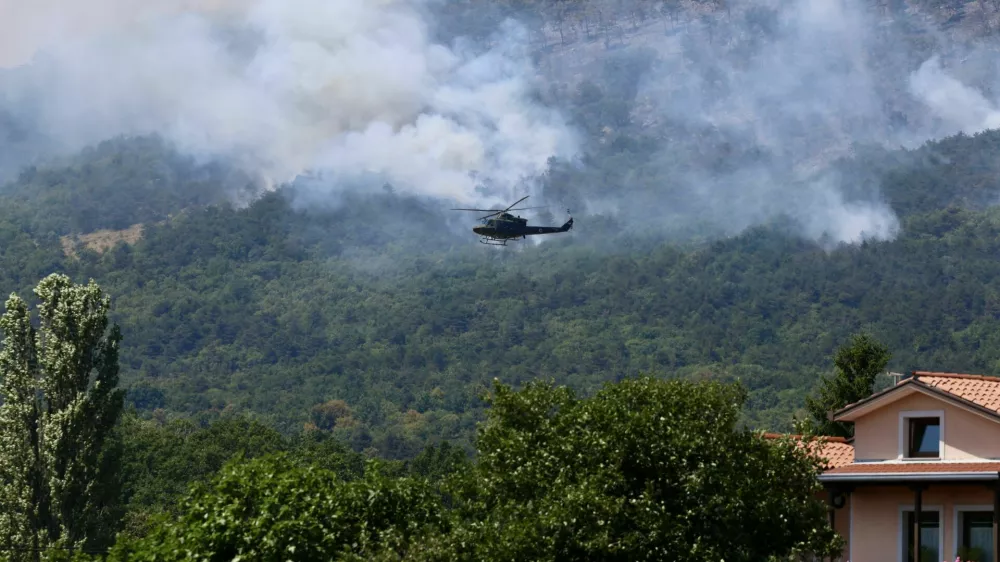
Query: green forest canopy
pixel 375 316
pixel 278 311
pixel 637 472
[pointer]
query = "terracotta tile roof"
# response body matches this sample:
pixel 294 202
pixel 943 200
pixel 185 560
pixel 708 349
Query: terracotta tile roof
pixel 838 454
pixel 928 467
pixel 836 450
pixel 979 389
pixel 976 391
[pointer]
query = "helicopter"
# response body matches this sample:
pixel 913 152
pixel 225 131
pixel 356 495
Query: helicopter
pixel 500 226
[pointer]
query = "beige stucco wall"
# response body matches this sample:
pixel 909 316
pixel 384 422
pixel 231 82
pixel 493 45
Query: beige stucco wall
pixel 966 435
pixel 875 526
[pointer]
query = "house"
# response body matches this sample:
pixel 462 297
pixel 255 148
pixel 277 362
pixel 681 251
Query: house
pixel 923 473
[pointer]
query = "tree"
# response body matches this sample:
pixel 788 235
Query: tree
pixel 645 470
pixel 60 408
pixel 273 508
pixel 857 365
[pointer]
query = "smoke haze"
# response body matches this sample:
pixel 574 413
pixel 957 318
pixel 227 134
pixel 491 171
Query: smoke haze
pixel 777 92
pixel 284 86
pixel 359 90
pixel 958 107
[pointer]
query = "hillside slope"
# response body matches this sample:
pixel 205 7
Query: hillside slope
pixel 279 310
pixel 739 213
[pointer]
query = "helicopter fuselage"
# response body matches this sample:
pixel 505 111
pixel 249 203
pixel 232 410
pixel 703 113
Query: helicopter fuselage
pixel 508 226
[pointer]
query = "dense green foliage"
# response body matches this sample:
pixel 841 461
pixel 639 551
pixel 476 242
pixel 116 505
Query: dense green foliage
pixel 376 318
pixel 59 470
pixel 161 460
pixel 147 183
pixel 279 310
pixel 857 366
pixel 272 509
pixel 643 470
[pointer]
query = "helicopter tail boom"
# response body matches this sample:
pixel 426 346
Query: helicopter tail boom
pixel 549 229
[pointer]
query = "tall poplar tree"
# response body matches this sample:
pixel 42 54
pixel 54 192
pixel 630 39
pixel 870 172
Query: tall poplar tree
pixel 60 406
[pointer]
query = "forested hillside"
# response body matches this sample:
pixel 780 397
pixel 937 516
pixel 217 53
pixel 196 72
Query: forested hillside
pixel 726 228
pixel 329 317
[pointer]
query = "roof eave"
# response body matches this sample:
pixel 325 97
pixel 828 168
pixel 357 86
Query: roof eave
pixel 909 476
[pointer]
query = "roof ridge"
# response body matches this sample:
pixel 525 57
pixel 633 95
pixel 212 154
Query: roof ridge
pixel 984 400
pixel 918 374
pixel 909 380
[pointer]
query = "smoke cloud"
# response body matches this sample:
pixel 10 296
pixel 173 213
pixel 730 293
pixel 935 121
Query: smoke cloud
pixel 749 107
pixel 355 88
pixel 755 105
pixel 957 107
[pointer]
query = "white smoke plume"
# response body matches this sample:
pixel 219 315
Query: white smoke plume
pixel 958 107
pixel 782 90
pixel 357 87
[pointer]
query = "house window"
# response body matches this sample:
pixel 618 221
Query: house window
pixel 930 536
pixel 925 438
pixel 975 541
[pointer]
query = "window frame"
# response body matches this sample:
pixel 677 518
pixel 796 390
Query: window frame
pixel 902 528
pixel 957 524
pixel 904 434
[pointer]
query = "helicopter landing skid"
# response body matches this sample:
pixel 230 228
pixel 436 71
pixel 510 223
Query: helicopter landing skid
pixel 492 242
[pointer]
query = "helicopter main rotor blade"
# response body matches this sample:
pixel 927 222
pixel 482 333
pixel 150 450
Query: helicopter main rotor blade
pixel 501 210
pixel 516 202
pixel 509 209
pixel 494 212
